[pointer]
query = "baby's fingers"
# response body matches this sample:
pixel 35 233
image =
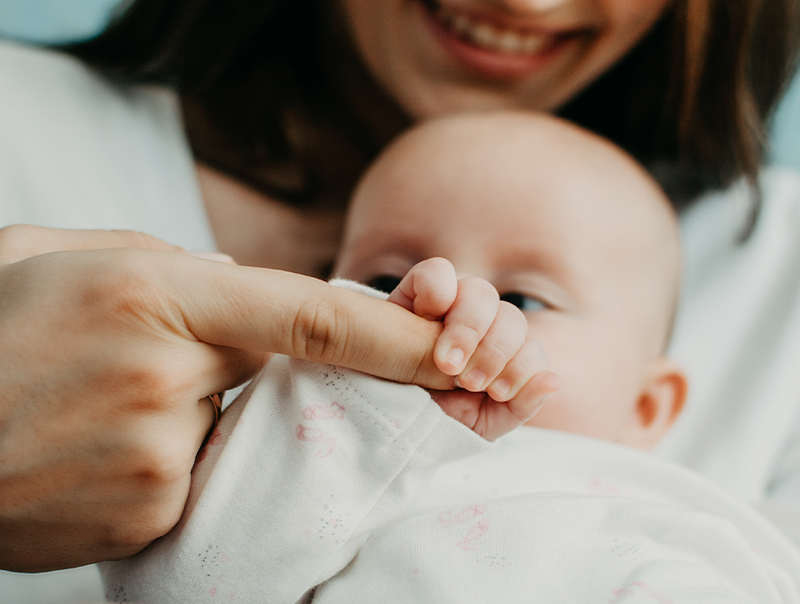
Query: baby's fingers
pixel 496 419
pixel 428 289
pixel 492 419
pixel 527 362
pixel 498 347
pixel 532 396
pixel 466 324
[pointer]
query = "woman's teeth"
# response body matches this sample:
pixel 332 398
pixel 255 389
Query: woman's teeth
pixel 486 35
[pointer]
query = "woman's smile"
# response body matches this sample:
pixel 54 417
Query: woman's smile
pixel 440 56
pixel 495 46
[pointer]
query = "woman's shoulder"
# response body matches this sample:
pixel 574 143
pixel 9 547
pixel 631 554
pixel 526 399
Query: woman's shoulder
pixel 28 71
pixel 17 58
pixel 737 335
pixel 43 85
pixel 718 219
pixel 80 151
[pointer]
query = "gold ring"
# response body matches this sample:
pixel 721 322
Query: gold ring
pixel 216 402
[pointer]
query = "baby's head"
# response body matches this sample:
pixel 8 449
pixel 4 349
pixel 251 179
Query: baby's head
pixel 564 225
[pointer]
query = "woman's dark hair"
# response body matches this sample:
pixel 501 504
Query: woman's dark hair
pixel 274 95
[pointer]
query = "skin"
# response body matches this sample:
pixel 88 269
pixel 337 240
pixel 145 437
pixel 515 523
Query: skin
pixel 479 331
pixel 404 54
pixel 94 472
pixel 138 334
pixel 399 48
pixel 571 224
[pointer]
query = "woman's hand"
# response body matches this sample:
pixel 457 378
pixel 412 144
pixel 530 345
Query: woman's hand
pixel 111 341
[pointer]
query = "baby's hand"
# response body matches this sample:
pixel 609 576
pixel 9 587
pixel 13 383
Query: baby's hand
pixel 485 343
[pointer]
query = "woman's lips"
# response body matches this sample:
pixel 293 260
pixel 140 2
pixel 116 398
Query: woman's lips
pixel 489 47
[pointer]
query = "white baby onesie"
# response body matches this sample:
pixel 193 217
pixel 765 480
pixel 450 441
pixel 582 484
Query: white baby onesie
pixel 321 477
pixel 301 469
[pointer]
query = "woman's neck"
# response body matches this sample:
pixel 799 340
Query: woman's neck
pixel 302 120
pixel 259 231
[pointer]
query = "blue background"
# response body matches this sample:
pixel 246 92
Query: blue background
pixel 62 20
pixel 54 20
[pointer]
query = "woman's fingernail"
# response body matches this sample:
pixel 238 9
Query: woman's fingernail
pixel 455 357
pixel 477 377
pixel 215 256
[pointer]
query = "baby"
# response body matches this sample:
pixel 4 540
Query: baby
pixel 567 228
pixel 333 486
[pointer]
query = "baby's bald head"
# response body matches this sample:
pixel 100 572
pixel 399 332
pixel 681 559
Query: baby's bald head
pixel 525 176
pixel 541 209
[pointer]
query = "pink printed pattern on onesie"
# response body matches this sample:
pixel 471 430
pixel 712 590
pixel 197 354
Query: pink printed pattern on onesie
pixel 638 587
pixel 470 540
pixel 326 442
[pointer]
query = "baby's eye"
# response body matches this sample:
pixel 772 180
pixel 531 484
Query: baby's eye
pixel 384 283
pixel 523 302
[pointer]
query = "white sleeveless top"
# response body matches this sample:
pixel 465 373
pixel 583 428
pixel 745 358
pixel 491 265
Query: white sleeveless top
pixel 79 152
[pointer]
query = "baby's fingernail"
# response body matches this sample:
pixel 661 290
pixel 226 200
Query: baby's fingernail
pixel 500 387
pixel 477 377
pixel 455 357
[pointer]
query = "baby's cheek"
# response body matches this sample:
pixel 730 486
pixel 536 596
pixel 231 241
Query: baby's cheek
pixel 554 416
pixel 566 413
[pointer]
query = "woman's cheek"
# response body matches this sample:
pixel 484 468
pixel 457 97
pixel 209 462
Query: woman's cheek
pixel 430 70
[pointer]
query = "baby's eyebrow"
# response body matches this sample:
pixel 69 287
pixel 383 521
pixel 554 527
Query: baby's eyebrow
pixel 383 241
pixel 538 260
pixel 545 268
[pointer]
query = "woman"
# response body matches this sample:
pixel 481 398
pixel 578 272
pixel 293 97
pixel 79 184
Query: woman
pixel 284 103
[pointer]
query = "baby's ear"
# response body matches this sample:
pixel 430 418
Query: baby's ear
pixel 660 401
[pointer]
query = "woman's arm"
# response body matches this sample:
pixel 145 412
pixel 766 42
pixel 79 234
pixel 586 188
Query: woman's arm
pixel 107 348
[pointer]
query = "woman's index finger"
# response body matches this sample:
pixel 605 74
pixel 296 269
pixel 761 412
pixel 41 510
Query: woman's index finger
pixel 303 317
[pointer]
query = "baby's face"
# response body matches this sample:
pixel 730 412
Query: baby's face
pixel 580 241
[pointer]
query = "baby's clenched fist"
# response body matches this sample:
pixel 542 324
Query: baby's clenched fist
pixel 485 343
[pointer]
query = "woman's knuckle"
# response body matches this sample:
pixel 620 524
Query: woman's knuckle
pixel 130 535
pixel 126 285
pixel 320 332
pixel 139 371
pixel 159 465
pixel 133 270
pixel 146 383
pixel 137 239
pixel 145 524
pixel 154 383
pixel 164 519
pixel 158 475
